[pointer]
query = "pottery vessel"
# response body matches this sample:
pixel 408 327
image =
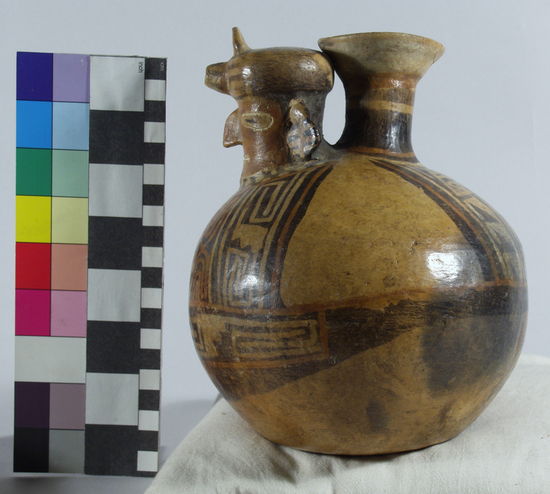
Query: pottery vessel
pixel 346 299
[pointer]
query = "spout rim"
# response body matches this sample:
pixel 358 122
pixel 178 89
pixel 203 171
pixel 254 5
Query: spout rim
pixel 331 41
pixel 382 52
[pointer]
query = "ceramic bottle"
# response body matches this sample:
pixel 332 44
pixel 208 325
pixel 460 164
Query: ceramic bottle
pixel 347 299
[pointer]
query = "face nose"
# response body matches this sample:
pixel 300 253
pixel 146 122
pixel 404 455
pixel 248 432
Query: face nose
pixel 232 132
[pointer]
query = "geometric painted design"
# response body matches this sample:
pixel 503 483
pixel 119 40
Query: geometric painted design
pixel 269 337
pixel 90 138
pixel 269 208
pixel 484 229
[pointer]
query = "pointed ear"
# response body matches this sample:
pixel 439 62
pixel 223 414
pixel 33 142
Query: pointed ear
pixel 232 132
pixel 303 136
pixel 239 44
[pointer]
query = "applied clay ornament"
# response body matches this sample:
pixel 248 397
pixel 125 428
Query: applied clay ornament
pixel 346 299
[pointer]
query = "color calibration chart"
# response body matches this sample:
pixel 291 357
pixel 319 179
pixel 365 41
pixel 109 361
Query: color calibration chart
pixel 89 263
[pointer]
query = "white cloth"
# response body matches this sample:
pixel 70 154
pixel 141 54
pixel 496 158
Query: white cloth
pixel 506 450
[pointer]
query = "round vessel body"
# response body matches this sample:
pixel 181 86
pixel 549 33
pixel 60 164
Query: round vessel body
pixel 346 299
pixel 361 305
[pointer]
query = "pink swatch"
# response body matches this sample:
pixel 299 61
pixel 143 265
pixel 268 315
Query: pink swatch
pixel 32 312
pixel 68 314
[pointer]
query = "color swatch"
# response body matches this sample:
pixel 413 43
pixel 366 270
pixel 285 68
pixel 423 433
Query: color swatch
pixel 89 260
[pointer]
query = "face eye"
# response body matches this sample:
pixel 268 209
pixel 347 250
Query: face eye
pixel 257 121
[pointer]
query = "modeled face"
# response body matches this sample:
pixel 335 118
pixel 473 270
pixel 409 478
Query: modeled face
pixel 258 126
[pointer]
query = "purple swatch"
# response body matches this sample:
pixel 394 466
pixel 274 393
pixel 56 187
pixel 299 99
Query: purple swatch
pixel 67 406
pixel 70 78
pixel 32 405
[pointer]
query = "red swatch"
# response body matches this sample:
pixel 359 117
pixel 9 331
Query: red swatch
pixel 32 265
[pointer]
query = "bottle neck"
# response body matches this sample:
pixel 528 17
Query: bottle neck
pixel 380 72
pixel 379 111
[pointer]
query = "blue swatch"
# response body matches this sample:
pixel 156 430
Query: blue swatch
pixel 34 76
pixel 34 124
pixel 71 126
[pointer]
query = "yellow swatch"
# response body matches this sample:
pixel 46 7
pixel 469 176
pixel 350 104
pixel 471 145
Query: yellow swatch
pixel 69 220
pixel 33 219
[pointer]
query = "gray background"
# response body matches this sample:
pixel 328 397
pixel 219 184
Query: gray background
pixel 481 117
